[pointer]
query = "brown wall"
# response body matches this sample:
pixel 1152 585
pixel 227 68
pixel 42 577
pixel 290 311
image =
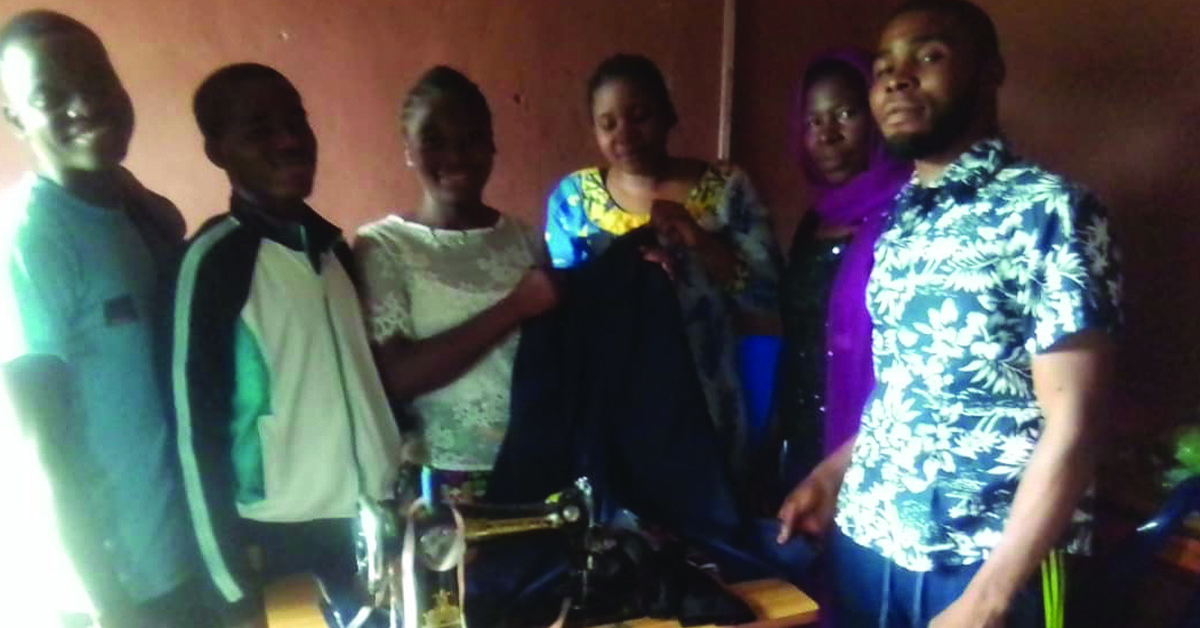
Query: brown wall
pixel 1106 91
pixel 352 61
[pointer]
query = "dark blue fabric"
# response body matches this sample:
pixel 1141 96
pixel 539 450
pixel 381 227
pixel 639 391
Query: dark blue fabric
pixel 638 577
pixel 604 388
pixel 757 356
pixel 869 591
pixel 520 580
pixel 753 553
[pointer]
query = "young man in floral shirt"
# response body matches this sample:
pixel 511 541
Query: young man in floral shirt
pixel 994 299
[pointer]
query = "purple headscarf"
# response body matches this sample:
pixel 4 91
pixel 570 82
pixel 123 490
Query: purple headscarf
pixel 864 202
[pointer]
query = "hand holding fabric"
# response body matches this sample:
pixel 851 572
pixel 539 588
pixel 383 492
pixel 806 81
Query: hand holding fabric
pixel 537 292
pixel 674 225
pixel 659 256
pixel 677 231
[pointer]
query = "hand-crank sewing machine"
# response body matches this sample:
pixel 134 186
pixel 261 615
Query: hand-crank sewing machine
pixel 413 562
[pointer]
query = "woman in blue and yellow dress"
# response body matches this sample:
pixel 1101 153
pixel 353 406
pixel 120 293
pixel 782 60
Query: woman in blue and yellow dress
pixel 715 239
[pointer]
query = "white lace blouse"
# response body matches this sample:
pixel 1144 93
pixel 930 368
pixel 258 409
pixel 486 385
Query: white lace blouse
pixel 420 282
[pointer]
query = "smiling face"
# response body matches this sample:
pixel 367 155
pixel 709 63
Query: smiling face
pixel 64 99
pixel 932 91
pixel 266 145
pixel 450 146
pixel 837 127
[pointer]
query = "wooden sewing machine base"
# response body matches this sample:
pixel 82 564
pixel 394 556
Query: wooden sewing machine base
pixel 291 603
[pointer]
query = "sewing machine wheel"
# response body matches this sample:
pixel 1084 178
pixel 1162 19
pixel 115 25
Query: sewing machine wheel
pixel 441 547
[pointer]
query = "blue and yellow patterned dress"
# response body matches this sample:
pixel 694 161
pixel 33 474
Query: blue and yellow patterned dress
pixel 583 219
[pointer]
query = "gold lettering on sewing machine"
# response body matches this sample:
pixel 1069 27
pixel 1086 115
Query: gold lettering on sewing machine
pixel 445 612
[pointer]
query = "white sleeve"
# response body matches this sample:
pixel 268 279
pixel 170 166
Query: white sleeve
pixel 386 294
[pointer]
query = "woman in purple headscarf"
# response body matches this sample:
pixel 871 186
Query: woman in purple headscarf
pixel 825 369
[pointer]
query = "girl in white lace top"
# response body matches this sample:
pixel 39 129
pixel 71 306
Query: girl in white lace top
pixel 447 288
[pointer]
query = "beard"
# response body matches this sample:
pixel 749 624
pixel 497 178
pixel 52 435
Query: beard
pixel 946 127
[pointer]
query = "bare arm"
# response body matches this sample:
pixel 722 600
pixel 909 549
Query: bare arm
pixel 1071 382
pixel 412 368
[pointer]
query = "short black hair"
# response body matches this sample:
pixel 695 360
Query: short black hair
pixel 211 102
pixel 38 23
pixel 640 71
pixel 976 20
pixel 442 81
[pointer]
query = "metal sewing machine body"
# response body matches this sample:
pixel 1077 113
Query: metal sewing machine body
pixel 412 558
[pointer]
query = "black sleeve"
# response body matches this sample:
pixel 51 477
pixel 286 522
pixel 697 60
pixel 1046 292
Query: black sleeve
pixel 211 287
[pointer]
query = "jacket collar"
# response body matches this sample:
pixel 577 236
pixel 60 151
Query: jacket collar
pixel 309 232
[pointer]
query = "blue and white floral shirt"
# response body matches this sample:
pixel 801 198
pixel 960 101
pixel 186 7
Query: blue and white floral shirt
pixel 974 276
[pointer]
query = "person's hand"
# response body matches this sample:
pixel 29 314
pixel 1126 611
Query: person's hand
pixel 674 225
pixel 658 256
pixel 971 610
pixel 810 507
pixel 676 229
pixel 537 292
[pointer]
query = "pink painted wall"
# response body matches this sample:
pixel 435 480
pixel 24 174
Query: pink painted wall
pixel 1104 90
pixel 352 61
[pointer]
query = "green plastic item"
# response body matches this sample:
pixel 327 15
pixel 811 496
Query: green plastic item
pixel 1187 454
pixel 1187 448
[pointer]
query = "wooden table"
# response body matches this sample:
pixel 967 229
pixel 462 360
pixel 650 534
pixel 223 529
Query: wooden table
pixel 291 603
pixel 776 603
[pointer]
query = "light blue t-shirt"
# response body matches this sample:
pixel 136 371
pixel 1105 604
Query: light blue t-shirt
pixel 83 280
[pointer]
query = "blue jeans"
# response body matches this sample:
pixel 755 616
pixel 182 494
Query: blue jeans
pixel 869 591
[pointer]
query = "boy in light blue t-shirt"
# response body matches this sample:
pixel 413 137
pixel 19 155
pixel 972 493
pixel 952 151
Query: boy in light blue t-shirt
pixel 84 248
